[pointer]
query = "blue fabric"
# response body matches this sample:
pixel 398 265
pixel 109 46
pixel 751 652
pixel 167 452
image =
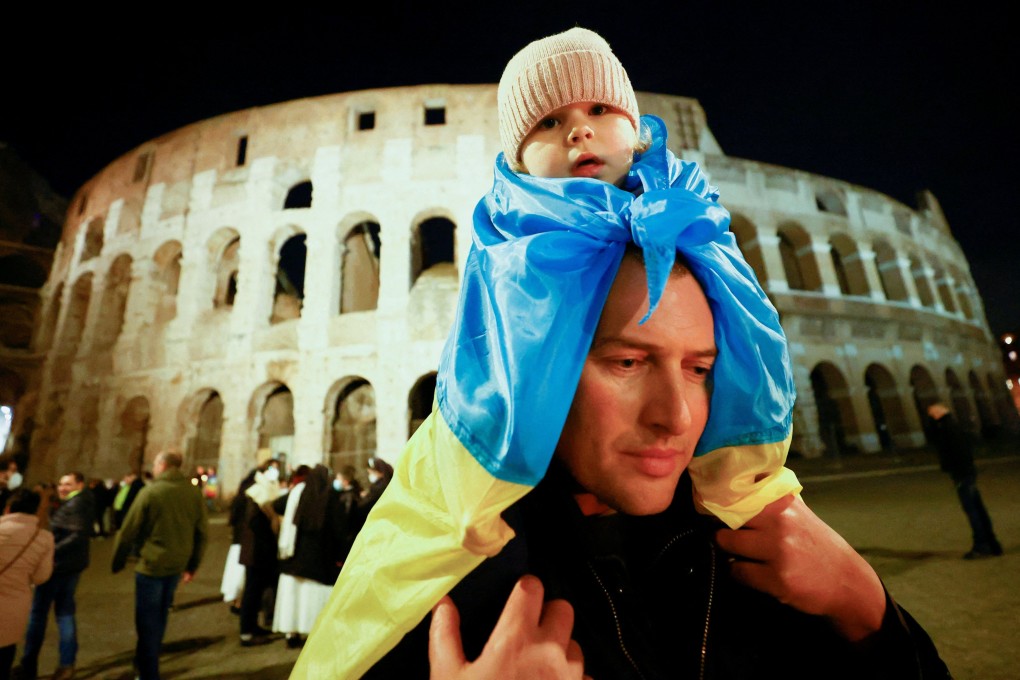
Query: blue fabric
pixel 58 592
pixel 543 257
pixel 153 598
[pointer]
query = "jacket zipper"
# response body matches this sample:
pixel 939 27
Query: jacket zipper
pixel 616 621
pixel 708 603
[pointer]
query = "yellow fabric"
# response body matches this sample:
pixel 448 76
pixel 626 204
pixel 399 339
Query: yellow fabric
pixel 437 520
pixel 735 483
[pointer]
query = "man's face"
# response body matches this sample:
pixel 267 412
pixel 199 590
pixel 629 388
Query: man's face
pixel 585 139
pixel 67 485
pixel 642 401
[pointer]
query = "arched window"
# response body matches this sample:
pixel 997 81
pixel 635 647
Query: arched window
pixel 352 428
pixel 798 258
pixel 921 281
pixel 290 280
pixel 846 260
pixel 227 266
pixel 419 402
pixel 359 268
pixel 837 425
pixel 889 272
pixel 299 196
pixel 93 239
pixel 747 242
pixel 112 304
pixel 167 277
pixel 432 244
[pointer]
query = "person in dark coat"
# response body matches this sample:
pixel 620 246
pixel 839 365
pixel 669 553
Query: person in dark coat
pixel 71 524
pixel 349 488
pixel 232 584
pixel 956 458
pixel 258 551
pixel 311 538
pixel 379 475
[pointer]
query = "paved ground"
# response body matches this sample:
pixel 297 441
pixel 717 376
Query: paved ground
pixel 899 512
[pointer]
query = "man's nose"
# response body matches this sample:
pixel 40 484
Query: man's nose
pixel 667 408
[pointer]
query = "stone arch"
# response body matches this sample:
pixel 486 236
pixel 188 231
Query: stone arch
pixel 351 425
pixel 272 419
pixel 886 405
pixel 166 279
pixel 798 258
pixel 419 401
pixel 225 259
pixel 433 242
pixel 942 286
pixel 961 404
pixel 986 413
pixel 74 325
pixel 921 281
pixel 746 235
pixel 360 249
pixel 112 304
pixel 18 270
pixel 289 293
pixel 837 425
pixel 888 263
pixel 846 260
pixel 299 196
pixel 203 429
pixel 93 239
pixel 132 434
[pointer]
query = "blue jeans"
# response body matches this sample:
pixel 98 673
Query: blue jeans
pixel 58 592
pixel 974 507
pixel 153 597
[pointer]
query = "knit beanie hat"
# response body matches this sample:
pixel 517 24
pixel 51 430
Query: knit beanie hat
pixel 574 66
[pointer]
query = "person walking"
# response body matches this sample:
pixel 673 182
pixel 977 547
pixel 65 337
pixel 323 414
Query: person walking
pixel 956 458
pixel 71 524
pixel 26 560
pixel 168 522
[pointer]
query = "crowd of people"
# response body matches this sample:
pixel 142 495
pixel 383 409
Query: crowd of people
pixel 291 532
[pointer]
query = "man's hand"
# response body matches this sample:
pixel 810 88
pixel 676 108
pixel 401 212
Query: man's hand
pixel 530 641
pixel 187 577
pixel 791 554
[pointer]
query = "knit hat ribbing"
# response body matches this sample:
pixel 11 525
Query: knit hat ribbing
pixel 574 66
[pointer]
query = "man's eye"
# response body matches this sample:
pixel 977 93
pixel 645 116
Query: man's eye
pixel 599 109
pixel 547 123
pixel 627 363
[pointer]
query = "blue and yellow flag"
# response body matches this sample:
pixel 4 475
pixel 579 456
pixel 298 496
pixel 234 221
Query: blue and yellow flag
pixel 544 255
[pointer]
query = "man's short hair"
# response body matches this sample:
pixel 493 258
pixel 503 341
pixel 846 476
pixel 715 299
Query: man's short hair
pixel 171 459
pixel 24 500
pixel 78 477
pixel 680 267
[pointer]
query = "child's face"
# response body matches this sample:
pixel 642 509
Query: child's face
pixel 584 139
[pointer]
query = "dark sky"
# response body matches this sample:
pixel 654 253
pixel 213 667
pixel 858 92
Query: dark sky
pixel 897 97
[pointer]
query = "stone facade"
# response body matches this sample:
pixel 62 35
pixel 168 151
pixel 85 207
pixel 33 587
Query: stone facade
pixel 284 278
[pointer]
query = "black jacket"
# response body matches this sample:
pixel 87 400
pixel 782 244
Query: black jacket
pixel 71 524
pixel 653 599
pixel 956 454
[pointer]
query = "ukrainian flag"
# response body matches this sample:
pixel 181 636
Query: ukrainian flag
pixel 544 255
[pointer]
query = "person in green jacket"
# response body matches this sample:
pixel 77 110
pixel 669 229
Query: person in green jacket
pixel 168 525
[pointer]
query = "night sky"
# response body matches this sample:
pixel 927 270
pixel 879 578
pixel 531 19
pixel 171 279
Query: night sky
pixel 891 96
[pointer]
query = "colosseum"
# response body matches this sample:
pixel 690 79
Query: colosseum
pixel 281 280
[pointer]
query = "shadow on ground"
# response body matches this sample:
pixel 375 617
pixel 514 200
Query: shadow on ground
pixel 890 561
pixel 124 661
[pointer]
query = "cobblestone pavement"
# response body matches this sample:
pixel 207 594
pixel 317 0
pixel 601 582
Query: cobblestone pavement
pixel 899 512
